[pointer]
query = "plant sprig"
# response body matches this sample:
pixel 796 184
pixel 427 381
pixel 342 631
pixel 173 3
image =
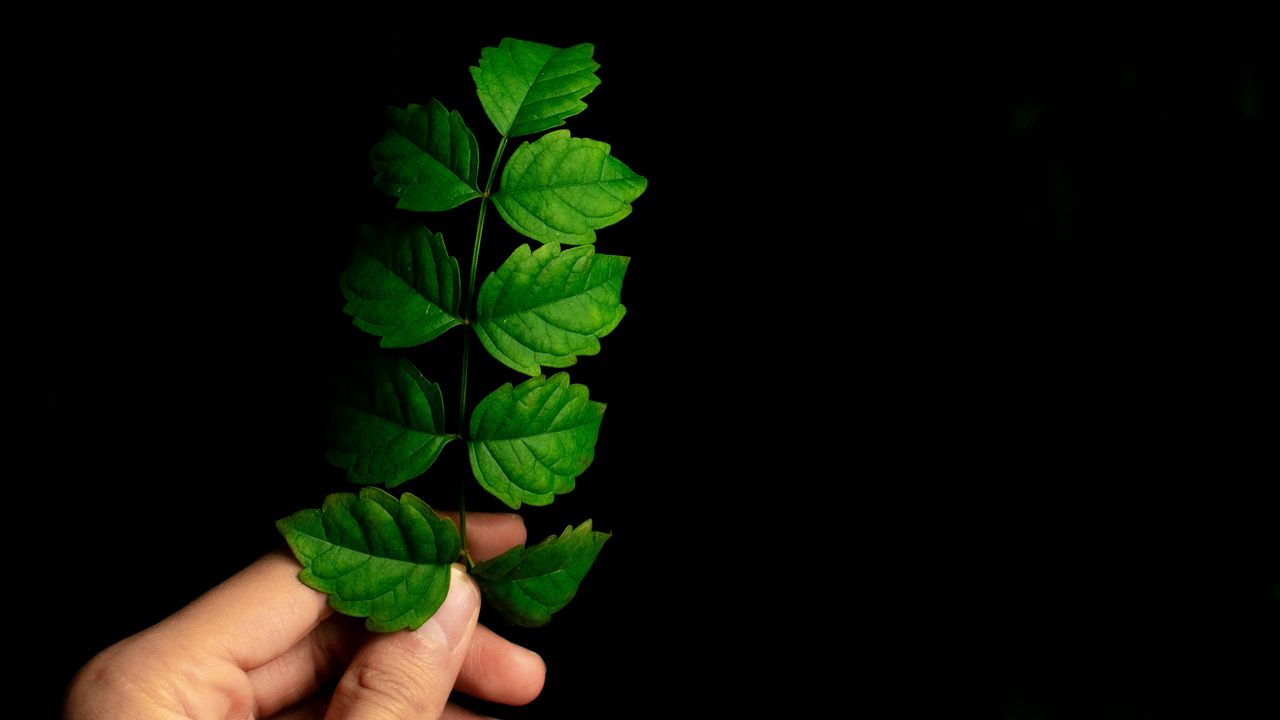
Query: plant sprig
pixel 385 558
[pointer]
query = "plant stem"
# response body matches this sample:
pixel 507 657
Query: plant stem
pixel 468 306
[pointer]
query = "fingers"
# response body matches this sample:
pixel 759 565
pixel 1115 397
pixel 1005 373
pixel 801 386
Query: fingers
pixel 263 611
pixel 500 671
pixel 311 709
pixel 254 616
pixel 410 674
pixel 316 658
pixel 491 534
pixel 308 666
pixel 495 669
pixel 316 708
pixel 453 711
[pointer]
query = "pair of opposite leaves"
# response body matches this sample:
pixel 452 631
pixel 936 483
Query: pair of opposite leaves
pixel 387 559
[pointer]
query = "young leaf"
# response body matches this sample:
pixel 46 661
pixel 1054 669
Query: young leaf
pixel 562 189
pixel 376 557
pixel 527 87
pixel 428 159
pixel 387 425
pixel 530 442
pixel 402 285
pixel 547 307
pixel 526 586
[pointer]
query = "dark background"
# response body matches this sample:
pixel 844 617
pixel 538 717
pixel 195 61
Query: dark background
pixel 1086 477
pixel 947 368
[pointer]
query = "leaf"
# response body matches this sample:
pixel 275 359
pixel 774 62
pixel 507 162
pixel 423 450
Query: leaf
pixel 527 87
pixel 387 425
pixel 402 285
pixel 526 586
pixel 428 159
pixel 562 189
pixel 547 307
pixel 530 442
pixel 376 557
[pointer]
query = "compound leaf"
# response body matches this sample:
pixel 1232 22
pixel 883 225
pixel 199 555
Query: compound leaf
pixel 530 442
pixel 379 558
pixel 402 285
pixel 428 159
pixel 527 585
pixel 387 425
pixel 547 307
pixel 562 189
pixel 527 87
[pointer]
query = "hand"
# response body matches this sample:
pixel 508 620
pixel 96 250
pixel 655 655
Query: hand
pixel 263 645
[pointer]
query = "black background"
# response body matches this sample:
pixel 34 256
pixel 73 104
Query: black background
pixel 946 368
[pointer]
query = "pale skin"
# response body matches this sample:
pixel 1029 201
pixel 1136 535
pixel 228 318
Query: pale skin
pixel 263 645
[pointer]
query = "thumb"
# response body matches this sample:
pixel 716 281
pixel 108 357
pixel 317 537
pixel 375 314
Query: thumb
pixel 409 674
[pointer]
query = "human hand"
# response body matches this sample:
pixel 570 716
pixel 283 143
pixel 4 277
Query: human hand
pixel 263 645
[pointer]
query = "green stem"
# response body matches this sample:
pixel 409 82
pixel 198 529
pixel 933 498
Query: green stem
pixel 468 307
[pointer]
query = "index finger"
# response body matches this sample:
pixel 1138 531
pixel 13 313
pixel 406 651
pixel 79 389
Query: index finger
pixel 262 611
pixel 491 534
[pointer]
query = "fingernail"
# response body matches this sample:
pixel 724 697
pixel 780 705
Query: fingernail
pixel 458 611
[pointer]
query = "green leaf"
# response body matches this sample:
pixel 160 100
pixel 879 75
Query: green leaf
pixel 526 586
pixel 402 285
pixel 387 425
pixel 527 87
pixel 562 189
pixel 376 557
pixel 428 159
pixel 530 442
pixel 547 307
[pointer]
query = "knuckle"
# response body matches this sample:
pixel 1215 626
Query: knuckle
pixel 388 683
